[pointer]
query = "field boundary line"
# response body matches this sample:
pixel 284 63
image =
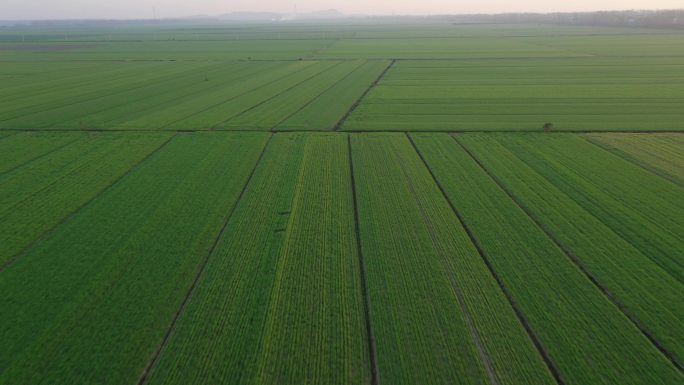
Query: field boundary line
pixel 453 281
pixel 70 215
pixel 624 156
pixel 358 101
pixel 271 98
pixel 509 297
pixel 526 131
pixel 154 358
pixel 280 261
pixel 52 151
pixel 578 263
pixel 596 216
pixel 275 127
pixel 372 351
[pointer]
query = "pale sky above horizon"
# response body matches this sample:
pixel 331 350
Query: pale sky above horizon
pixel 145 9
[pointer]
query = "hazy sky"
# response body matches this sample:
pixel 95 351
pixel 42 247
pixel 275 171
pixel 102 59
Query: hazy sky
pixel 54 9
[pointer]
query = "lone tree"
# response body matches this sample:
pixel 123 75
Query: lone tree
pixel 548 127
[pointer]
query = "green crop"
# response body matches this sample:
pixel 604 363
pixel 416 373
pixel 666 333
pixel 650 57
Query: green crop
pixel 634 281
pixel 662 154
pixel 41 193
pixel 362 201
pixel 90 302
pixel 288 253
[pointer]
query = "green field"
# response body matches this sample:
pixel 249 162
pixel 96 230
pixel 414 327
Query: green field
pixel 341 203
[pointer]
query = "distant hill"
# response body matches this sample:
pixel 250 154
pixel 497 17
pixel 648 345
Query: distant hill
pixel 250 16
pixel 275 16
pixel 326 14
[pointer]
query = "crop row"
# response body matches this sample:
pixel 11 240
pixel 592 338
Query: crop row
pixel 44 87
pixel 38 195
pixel 645 287
pixel 22 79
pixel 195 95
pixel 254 98
pixel 662 154
pixel 18 149
pixel 336 101
pixel 437 313
pixel 420 40
pixel 122 110
pixel 211 108
pixel 154 44
pixel 316 104
pixel 582 94
pixel 459 47
pixel 27 110
pixel 280 300
pixel 588 339
pixel 89 303
pixel 643 208
pixel 334 258
pixel 281 105
pixel 96 111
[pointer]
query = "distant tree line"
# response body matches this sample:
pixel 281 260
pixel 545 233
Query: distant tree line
pixel 634 18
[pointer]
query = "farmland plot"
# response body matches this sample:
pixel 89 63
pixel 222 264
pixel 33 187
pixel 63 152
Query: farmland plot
pixel 643 290
pixel 241 80
pixel 644 209
pixel 662 154
pixel 280 301
pixel 438 315
pixel 149 46
pixel 231 95
pixel 274 110
pixel 35 109
pixel 578 94
pixel 136 250
pixel 431 47
pixel 659 43
pixel 90 303
pixel 85 114
pixel 326 110
pixel 564 309
pixel 217 115
pixel 69 77
pixel 148 99
pixel 18 76
pixel 37 196
pixel 18 149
